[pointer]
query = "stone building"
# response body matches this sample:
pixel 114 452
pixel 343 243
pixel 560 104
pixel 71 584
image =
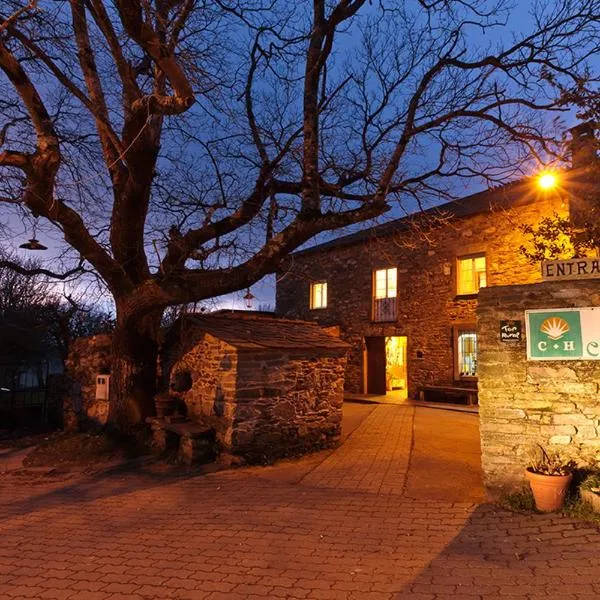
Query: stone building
pixel 404 294
pixel 270 387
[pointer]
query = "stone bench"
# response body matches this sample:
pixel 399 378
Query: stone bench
pixel 194 442
pixel 449 392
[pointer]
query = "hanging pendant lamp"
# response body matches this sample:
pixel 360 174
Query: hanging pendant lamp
pixel 33 243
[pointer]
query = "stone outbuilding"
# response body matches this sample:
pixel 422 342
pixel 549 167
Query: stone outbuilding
pixel 88 358
pixel 270 387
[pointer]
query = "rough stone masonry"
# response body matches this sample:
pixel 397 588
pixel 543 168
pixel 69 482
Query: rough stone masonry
pixel 555 403
pixel 270 387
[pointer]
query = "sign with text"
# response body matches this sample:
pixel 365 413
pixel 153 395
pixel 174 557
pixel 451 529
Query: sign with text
pixel 563 334
pixel 575 268
pixel 510 331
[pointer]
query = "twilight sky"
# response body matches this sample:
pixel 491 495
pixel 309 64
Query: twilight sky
pixel 264 291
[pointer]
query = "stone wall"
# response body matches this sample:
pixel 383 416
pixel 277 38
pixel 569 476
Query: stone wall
pixel 428 305
pixel 87 358
pixel 287 403
pixel 553 403
pixel 212 365
pixel 264 404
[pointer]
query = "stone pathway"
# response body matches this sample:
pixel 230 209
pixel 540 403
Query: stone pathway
pixel 251 534
pixel 375 458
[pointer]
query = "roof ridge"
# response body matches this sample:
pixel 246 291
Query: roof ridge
pixel 250 317
pixel 389 227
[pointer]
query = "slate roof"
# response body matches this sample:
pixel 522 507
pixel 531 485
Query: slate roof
pixel 502 197
pixel 259 332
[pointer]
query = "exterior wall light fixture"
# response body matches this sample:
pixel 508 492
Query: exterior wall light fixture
pixel 547 180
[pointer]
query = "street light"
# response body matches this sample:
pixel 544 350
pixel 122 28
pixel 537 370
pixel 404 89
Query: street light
pixel 547 180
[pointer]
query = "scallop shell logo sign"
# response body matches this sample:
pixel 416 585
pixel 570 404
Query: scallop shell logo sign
pixel 555 328
pixel 554 335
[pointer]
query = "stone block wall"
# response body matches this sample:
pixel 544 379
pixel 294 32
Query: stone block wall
pixel 287 403
pixel 522 403
pixel 428 307
pixel 212 365
pixel 87 358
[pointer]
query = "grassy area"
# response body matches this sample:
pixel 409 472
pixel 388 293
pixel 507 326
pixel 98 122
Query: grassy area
pixel 576 508
pixel 83 450
pixel 523 502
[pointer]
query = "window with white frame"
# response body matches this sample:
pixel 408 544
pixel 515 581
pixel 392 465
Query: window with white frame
pixel 318 294
pixel 466 352
pixel 471 274
pixel 385 292
pixel 385 283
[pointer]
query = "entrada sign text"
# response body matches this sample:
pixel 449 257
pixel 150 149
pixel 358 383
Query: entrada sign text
pixel 575 268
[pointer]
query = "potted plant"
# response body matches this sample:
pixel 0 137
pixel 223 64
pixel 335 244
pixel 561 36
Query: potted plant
pixel 590 491
pixel 549 476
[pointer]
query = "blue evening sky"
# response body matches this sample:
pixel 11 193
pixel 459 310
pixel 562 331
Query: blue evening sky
pixel 264 290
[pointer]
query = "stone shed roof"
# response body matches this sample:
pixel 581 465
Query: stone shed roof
pixel 259 332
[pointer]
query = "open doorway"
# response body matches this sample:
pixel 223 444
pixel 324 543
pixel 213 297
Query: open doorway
pixel 385 367
pixel 395 363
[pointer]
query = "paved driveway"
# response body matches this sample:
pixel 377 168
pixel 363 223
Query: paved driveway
pixel 348 524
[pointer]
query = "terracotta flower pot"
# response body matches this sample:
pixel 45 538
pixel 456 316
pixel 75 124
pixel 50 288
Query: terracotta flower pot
pixel 548 490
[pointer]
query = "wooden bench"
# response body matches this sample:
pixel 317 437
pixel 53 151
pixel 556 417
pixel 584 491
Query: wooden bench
pixel 194 442
pixel 450 392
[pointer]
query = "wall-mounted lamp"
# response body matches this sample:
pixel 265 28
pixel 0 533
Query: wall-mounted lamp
pixel 547 180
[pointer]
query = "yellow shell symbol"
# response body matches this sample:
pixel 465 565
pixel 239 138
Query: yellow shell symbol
pixel 554 327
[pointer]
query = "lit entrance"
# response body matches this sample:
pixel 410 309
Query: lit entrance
pixel 385 366
pixel 395 363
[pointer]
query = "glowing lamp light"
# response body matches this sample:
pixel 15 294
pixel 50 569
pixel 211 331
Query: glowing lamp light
pixel 547 181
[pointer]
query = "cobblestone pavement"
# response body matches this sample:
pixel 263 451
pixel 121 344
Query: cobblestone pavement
pixel 251 534
pixel 363 463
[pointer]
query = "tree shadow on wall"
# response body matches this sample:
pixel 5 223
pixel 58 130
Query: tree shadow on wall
pixel 499 553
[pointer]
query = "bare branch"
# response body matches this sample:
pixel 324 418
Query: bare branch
pixel 8 21
pixel 29 272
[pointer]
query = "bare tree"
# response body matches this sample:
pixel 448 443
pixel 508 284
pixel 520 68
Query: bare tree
pixel 184 147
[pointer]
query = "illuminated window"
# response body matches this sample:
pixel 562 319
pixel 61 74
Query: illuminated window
pixel 466 353
pixel 471 274
pixel 385 291
pixel 318 295
pixel 385 283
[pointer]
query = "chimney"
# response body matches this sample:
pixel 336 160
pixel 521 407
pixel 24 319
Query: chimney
pixel 583 146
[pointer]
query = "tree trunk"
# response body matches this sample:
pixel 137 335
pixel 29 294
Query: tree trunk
pixel 133 371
